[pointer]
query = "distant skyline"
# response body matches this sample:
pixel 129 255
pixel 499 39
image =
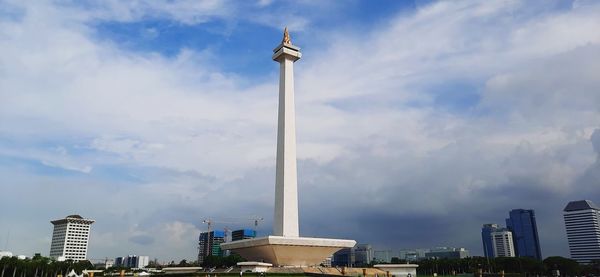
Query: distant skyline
pixel 417 121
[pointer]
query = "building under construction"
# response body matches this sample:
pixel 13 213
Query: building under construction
pixel 210 244
pixel 243 234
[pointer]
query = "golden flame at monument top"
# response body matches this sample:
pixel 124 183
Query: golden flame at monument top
pixel 286 37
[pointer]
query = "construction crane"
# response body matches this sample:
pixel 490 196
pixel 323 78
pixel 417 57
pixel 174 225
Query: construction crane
pixel 255 219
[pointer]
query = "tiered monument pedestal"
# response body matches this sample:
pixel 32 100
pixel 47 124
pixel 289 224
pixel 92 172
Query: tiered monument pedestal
pixel 287 251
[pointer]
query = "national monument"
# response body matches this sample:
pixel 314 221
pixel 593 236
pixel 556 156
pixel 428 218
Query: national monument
pixel 286 247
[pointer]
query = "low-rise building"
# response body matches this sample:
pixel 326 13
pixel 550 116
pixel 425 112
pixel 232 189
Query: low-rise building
pixel 359 255
pixel 108 263
pixel 132 261
pixel 413 255
pixel 447 253
pixel 363 254
pixel 384 256
pixel 343 257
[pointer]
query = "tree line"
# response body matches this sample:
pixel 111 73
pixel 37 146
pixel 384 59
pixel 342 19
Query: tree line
pixel 521 265
pixel 39 266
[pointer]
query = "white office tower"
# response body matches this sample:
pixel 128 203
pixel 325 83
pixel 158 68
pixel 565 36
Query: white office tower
pixel 502 242
pixel 582 221
pixel 70 238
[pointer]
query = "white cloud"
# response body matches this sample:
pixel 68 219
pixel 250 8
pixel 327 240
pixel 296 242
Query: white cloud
pixel 371 128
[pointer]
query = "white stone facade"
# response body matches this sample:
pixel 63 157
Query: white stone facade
pixel 286 184
pixel 70 238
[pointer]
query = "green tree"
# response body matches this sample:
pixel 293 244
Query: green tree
pixel 232 260
pixel 531 266
pixel 183 263
pixel 212 261
pixel 591 269
pixel 3 265
pixel 566 266
pixel 396 260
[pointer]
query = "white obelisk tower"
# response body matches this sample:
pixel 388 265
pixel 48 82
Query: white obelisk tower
pixel 285 247
pixel 285 222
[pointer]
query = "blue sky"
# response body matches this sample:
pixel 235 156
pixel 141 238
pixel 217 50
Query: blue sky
pixel 150 116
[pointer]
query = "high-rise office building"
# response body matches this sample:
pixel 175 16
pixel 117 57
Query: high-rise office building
pixel 70 238
pixel 497 241
pixel 486 237
pixel 243 234
pixel 523 226
pixel 502 242
pixel 210 244
pixel 582 221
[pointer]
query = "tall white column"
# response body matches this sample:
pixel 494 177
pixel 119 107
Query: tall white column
pixel 286 184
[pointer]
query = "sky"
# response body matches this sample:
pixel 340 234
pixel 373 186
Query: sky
pixel 417 121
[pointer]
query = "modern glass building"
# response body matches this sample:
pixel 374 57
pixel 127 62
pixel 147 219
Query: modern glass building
pixel 486 237
pixel 523 226
pixel 582 221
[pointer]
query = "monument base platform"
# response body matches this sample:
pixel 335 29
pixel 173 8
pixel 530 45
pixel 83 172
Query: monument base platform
pixel 254 266
pixel 287 251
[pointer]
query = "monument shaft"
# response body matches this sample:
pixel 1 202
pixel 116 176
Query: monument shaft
pixel 285 222
pixel 285 247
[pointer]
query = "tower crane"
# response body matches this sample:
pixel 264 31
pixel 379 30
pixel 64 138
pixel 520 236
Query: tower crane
pixel 255 219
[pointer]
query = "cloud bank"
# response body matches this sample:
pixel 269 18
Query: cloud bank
pixel 412 133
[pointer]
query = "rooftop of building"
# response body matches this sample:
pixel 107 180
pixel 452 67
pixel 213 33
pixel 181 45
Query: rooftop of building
pixel 580 206
pixel 73 218
pixel 522 211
